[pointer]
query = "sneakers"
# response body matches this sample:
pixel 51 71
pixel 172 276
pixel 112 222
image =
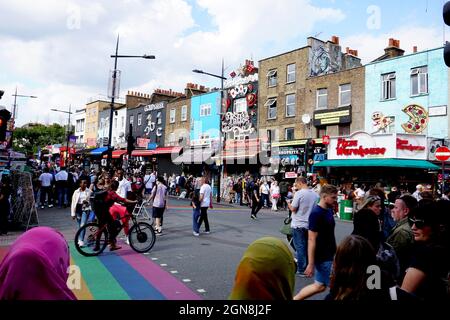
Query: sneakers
pixel 253 217
pixel 196 234
pixel 207 232
pixel 80 243
pixel 114 247
pixel 301 274
pixel 127 241
pixel 50 206
pixel 42 207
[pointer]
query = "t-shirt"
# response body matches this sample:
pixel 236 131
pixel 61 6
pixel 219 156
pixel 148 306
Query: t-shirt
pixel 46 179
pixel 321 221
pixel 124 188
pixel 206 191
pixel 159 201
pixel 304 201
pixel 265 189
pixel 433 261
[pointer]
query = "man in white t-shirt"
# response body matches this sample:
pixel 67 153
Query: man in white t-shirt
pixel 124 184
pixel 61 187
pixel 46 179
pixel 205 203
pixel 301 206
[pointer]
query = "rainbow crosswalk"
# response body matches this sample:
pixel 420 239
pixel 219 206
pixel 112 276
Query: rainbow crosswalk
pixel 124 275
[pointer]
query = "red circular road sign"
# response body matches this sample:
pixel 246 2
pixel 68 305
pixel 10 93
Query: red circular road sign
pixel 442 153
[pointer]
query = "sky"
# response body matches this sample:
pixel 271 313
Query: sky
pixel 59 50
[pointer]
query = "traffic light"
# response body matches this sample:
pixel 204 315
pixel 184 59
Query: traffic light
pixel 5 115
pixel 446 16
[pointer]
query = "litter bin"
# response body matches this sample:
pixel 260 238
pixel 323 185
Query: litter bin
pixel 346 210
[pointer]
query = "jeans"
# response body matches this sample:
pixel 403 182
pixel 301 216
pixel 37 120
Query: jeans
pixel 195 220
pixel 300 238
pixel 239 198
pixel 256 206
pixel 44 192
pixel 82 218
pixel 204 217
pixel 264 200
pixel 323 272
pixel 62 196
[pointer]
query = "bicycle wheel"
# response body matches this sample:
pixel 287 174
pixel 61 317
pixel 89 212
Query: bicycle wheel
pixel 95 239
pixel 142 237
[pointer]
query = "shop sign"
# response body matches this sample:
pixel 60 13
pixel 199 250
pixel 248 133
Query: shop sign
pixel 362 145
pixel 290 151
pixel 337 116
pixel 151 107
pixel 239 123
pixel 142 142
pixel 289 143
pixel 290 175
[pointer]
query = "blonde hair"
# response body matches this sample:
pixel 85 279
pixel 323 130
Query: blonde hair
pixel 328 189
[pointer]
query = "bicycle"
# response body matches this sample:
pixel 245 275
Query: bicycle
pixel 140 210
pixel 141 237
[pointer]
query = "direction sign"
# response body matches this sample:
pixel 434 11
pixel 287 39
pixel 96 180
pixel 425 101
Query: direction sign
pixel 442 153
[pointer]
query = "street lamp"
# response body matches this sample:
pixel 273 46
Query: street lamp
pixel 222 78
pixel 66 162
pixel 113 93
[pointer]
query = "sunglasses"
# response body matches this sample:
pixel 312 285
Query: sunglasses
pixel 420 223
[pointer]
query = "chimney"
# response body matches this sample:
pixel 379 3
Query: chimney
pixel 335 39
pixel 415 49
pixel 393 50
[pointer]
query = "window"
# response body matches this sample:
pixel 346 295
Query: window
pixel 172 139
pixel 419 81
pixel 321 132
pixel 289 134
pixel 139 119
pixel 240 105
pixel 205 110
pixel 115 123
pixel 345 94
pixel 272 78
pixel 290 73
pixel 388 86
pixel 271 105
pixel 322 99
pixel 204 137
pixel 122 122
pixel 183 113
pixel 173 113
pixel 290 105
pixel 344 130
pixel 159 117
pixel 132 120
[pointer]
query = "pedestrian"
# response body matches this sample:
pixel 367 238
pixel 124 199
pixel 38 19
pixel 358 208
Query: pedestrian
pixel 257 201
pixel 429 268
pixel 274 194
pixel 195 204
pixel 283 193
pixel 80 201
pixel 205 203
pixel 35 267
pixel 265 272
pixel 61 182
pixel 418 193
pixel 321 243
pixel 5 207
pixel 401 237
pixel 159 198
pixel 264 192
pixel 46 179
pixel 301 206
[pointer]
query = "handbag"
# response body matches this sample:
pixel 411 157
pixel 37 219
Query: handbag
pixel 286 227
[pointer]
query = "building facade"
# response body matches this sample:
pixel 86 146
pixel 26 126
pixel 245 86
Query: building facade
pixel 92 120
pixel 80 124
pixel 205 119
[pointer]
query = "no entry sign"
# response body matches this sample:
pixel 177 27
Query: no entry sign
pixel 442 153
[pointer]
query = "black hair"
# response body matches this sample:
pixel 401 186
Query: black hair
pixel 114 185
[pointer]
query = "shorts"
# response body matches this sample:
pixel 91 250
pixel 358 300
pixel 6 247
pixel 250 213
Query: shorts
pixel 323 273
pixel 157 212
pixel 148 190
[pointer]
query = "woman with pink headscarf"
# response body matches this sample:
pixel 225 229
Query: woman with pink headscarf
pixel 35 268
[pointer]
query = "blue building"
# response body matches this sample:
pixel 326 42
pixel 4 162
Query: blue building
pixel 407 93
pixel 205 119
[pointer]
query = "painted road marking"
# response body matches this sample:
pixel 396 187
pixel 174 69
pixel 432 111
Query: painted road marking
pixel 174 271
pixel 186 280
pixel 163 264
pixel 201 290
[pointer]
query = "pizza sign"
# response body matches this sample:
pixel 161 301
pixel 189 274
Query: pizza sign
pixel 418 119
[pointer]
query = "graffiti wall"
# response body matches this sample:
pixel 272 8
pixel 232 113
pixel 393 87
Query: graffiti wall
pixel 324 58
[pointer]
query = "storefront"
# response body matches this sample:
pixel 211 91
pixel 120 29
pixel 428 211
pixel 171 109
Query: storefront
pixel 290 157
pixel 392 159
pixel 159 159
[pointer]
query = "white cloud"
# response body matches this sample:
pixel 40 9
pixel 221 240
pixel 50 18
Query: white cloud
pixel 372 46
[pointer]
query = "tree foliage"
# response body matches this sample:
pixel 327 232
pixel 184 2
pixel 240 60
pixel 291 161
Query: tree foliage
pixel 28 140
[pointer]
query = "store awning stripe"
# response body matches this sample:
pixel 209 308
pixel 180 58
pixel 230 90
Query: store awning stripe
pixel 98 151
pixel 397 163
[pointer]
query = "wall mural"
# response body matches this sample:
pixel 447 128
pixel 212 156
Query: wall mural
pixel 324 59
pixel 418 119
pixel 382 123
pixel 241 103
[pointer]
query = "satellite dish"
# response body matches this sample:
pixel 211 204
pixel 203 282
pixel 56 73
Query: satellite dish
pixel 306 118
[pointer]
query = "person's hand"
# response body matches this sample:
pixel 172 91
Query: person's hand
pixel 211 206
pixel 309 271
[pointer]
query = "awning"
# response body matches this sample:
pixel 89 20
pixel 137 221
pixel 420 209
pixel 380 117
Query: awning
pixel 242 154
pixel 82 151
pixel 116 154
pixel 98 151
pixel 142 153
pixel 194 156
pixel 166 150
pixel 397 163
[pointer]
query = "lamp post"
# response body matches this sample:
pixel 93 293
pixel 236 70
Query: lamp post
pixel 222 78
pixel 66 162
pixel 113 93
